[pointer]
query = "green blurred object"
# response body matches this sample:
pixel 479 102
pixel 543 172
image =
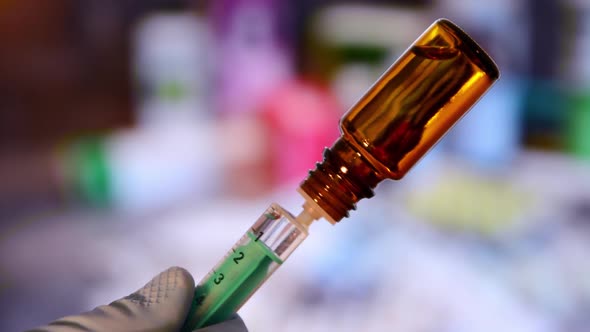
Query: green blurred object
pixel 357 53
pixel 578 125
pixel 172 90
pixel 90 171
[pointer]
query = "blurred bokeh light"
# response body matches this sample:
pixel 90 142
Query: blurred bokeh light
pixel 137 135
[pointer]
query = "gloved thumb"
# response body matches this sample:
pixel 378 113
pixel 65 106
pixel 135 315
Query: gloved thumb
pixel 161 305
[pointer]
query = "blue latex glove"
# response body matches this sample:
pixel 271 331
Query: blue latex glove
pixel 161 305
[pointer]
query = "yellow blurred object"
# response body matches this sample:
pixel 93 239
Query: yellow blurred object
pixel 471 203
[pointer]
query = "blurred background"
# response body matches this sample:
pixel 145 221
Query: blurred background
pixel 137 135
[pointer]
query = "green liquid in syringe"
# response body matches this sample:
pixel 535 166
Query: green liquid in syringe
pixel 232 282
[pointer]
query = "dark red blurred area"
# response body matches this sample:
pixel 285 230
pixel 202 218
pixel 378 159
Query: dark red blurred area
pixel 63 70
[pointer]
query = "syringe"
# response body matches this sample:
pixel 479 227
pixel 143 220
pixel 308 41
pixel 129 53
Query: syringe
pixel 412 105
pixel 263 248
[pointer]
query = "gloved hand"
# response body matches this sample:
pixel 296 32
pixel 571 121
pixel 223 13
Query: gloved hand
pixel 161 305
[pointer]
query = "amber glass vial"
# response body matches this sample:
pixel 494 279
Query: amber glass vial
pixel 414 103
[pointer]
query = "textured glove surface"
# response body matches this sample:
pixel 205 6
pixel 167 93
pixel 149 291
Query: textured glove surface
pixel 160 306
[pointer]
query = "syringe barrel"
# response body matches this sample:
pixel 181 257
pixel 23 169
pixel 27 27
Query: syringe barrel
pixel 248 264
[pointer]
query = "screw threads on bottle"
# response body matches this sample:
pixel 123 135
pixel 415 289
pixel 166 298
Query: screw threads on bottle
pixel 343 178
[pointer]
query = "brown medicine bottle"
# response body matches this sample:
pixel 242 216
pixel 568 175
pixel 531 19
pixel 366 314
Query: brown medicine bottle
pixel 414 103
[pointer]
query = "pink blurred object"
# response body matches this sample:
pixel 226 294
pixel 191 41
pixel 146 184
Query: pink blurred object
pixel 301 118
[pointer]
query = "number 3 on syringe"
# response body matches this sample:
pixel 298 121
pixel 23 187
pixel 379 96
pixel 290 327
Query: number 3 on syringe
pixel 218 279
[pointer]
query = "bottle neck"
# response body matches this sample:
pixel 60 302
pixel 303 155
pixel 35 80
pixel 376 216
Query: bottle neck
pixel 342 179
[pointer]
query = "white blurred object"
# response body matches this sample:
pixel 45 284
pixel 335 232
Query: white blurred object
pixel 171 68
pixel 370 25
pixel 154 168
pixel 143 170
pixel 435 287
pixel 489 135
pixel 351 82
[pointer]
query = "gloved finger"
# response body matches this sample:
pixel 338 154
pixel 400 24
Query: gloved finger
pixel 234 324
pixel 161 305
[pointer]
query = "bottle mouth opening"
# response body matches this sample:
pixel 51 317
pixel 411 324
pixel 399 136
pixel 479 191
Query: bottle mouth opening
pixel 470 47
